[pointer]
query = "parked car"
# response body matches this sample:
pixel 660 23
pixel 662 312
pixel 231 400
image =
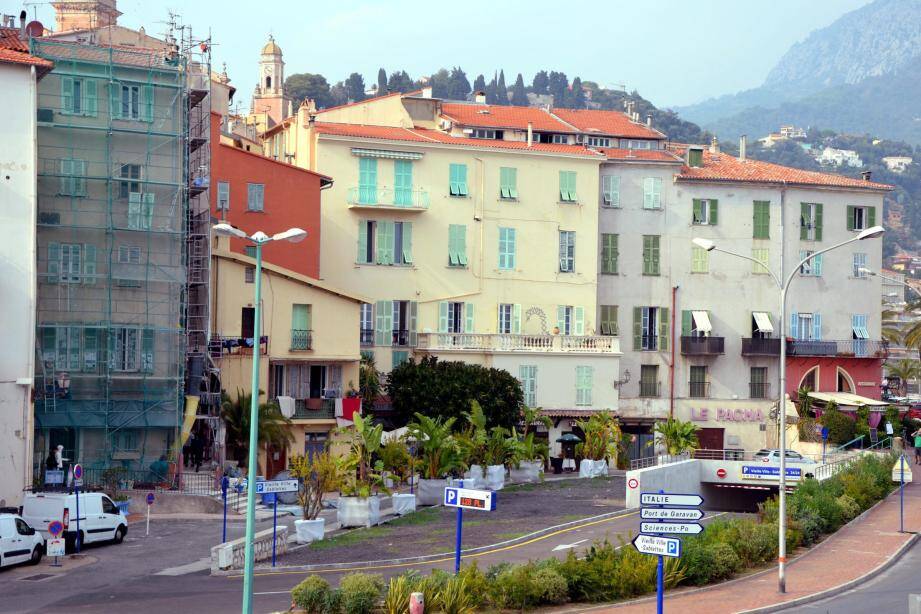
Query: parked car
pixel 100 519
pixel 19 543
pixel 773 456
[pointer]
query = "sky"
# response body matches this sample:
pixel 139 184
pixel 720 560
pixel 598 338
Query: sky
pixel 673 52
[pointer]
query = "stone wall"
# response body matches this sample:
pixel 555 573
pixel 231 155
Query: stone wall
pixel 262 548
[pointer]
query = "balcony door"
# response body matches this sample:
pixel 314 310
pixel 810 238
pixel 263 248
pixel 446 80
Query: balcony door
pixel 317 381
pixel 248 322
pixel 710 438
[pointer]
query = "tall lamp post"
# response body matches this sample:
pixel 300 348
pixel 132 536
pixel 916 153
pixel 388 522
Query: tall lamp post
pixel 294 235
pixel 783 286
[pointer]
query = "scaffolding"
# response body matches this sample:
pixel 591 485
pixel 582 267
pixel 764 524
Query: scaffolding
pixel 123 159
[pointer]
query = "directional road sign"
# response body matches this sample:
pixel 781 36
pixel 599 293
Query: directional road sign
pixel 654 498
pixel 670 513
pixel 676 528
pixel 469 499
pixel 662 546
pixel 270 486
pixel 769 472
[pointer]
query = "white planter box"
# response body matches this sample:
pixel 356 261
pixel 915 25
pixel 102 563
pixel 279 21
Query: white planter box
pixel 476 477
pixel 403 504
pixel 592 468
pixel 431 492
pixel 495 477
pixel 359 512
pixel 527 472
pixel 310 530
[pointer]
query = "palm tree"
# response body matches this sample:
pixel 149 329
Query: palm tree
pixel 891 330
pixel 369 382
pixel 436 445
pixel 532 415
pixel 905 370
pixel 912 337
pixel 274 428
pixel 677 436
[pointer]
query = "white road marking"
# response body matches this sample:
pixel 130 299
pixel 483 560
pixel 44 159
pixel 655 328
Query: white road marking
pixel 568 546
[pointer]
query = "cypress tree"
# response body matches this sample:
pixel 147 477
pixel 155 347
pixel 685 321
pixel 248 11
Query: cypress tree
pixel 501 90
pixel 381 82
pixel 519 96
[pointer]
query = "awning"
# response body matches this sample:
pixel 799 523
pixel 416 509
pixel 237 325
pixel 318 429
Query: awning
pixel 846 398
pixel 860 332
pixel 763 322
pixel 702 321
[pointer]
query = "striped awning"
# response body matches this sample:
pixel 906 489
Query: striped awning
pixel 847 399
pixel 386 153
pixel 763 322
pixel 702 321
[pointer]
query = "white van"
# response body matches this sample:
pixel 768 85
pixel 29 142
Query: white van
pixel 19 543
pixel 100 519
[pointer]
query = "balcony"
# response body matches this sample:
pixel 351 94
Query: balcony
pixel 301 340
pixel 759 390
pixel 366 337
pixel 760 346
pixel 474 342
pixel 859 348
pixel 401 338
pixel 221 346
pixel 314 409
pixel 701 346
pixel 699 390
pixel 650 390
pixel 400 199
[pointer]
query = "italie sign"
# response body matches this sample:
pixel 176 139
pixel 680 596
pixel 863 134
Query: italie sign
pixel 705 414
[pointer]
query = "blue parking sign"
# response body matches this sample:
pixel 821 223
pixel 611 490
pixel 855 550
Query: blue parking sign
pixel 450 496
pixel 673 548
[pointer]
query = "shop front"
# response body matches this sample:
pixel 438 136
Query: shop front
pixel 727 424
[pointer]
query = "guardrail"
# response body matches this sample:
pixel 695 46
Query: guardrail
pixel 659 459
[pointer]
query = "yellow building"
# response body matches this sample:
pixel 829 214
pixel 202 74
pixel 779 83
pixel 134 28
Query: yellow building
pixel 309 345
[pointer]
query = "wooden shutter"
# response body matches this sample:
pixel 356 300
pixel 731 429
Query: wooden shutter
pixel 367 181
pixel 794 325
pixel 115 100
pixel 383 330
pixel 817 265
pixel 403 182
pixel 561 318
pixel 147 103
pixel 385 240
pixel 516 319
pixel 818 221
pixel 468 318
pixel 134 210
pixel 663 328
pixel 578 321
pixel 714 212
pixel 408 242
pixel 655 254
pixel 147 350
pixel 804 211
pixel 147 210
pixel 413 323
pixel 687 323
pixel 656 193
pixel 637 329
pixel 67 178
pixel 54 262
pixel 362 241
pixel 696 210
pixel 443 317
pixel 461 244
pixel 453 259
pixel 850 217
pixel 67 95
pixel 89 264
pixel 871 217
pixel 90 98
pixel 817 326
pixel 299 317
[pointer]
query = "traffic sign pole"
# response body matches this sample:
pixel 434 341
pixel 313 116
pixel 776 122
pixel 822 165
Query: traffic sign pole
pixel 660 585
pixel 457 545
pixel 901 492
pixel 274 524
pixel 77 497
pixel 224 484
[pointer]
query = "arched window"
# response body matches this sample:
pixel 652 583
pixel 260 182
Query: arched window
pixel 845 382
pixel 268 83
pixel 811 379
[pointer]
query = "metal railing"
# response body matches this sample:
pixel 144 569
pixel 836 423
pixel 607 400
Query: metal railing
pixel 221 346
pixel 701 346
pixel 366 336
pixel 760 346
pixel 592 344
pixel 699 390
pixel 401 337
pixel 314 409
pixel 658 459
pixel 759 390
pixel 650 389
pixel 383 196
pixel 301 339
pixel 158 479
pixel 868 348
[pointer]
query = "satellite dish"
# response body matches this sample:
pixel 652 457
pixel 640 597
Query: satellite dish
pixel 35 29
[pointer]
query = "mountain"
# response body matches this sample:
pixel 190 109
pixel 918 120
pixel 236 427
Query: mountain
pixel 862 73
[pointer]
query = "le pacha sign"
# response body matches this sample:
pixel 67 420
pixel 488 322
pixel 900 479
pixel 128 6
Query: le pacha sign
pixel 720 414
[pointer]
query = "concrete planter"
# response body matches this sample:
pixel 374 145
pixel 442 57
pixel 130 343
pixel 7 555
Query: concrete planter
pixel 310 530
pixel 476 477
pixel 495 477
pixel 527 472
pixel 593 468
pixel 403 504
pixel 431 492
pixel 359 511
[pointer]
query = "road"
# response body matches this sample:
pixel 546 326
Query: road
pixel 887 592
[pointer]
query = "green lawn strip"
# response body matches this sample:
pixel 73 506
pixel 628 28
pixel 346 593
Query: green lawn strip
pixel 356 536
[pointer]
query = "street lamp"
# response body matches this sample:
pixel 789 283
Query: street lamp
pixel 259 238
pixel 783 286
pixel 893 280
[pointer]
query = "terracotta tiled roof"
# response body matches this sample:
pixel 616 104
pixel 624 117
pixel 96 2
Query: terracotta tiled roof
pixel 114 54
pixel 9 39
pixel 611 123
pixel 372 99
pixel 650 155
pixel 495 116
pixel 421 135
pixel 724 167
pixel 14 50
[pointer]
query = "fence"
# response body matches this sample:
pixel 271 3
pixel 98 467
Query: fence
pixel 156 479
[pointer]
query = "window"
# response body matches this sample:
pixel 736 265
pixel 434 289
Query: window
pixel 65 262
pixel 399 357
pixel 128 255
pixel 650 254
pixel 385 242
pixel 482 133
pixel 568 186
pixel 761 219
pixel 635 144
pixel 78 96
pixel 403 183
pixel 404 322
pixel 812 268
pixel 598 141
pixel 255 197
pixel 402 241
pixel 567 251
pixel 223 196
pixel 695 157
pixel 127 349
pixel 570 320
pixel 860 265
pixel 650 328
pixel 457 185
pixel 508 183
pixel 652 193
pixel 704 211
pixel 249 275
pixel 610 191
pixel 860 333
pixel 810 222
pixel 455 317
pixel 762 327
pixel 700 260
pixel 758 383
pixel 129 171
pixel 383 320
pixel 806 326
pixel 584 376
pixel 300 318
pixel 699 386
pixel 250 251
pixel 609 253
pixel 695 323
pixel 560 139
pixel 762 256
pixel 861 218
pixel 506 249
pixel 457 245
pixel 367 232
pixel 367 181
pixel 509 319
pixel 649 380
pixel 607 320
pixel 73 177
pixel 140 210
pixel 366 332
pixel 61 347
pixel 130 102
pixel 527 374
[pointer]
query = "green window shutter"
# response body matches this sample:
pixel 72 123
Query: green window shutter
pixel 663 328
pixel 468 318
pixel 686 323
pixel 453 259
pixel 700 260
pixel 443 317
pixel 67 95
pixel 453 183
pixel 516 319
pixel 508 182
pixel 90 349
pixel 383 331
pixel 567 186
pixel 871 217
pixel 850 217
pixel 54 262
pixel 147 104
pixel 299 317
pixel 362 241
pixel 367 181
pixel 714 211
pixel 89 264
pixel 413 323
pixel 408 242
pixel 804 210
pixel 147 209
pixel 147 350
pixel 403 183
pixel 818 221
pixel 637 329
pixel 79 181
pixel 817 265
pixel 610 188
pixel 697 210
pixel 609 254
pixel 647 193
pixel 385 238
pixel 90 98
pixel 762 219
pixel 561 318
pixel 134 210
pixel 458 180
pixel 67 177
pixel 115 100
pixel 647 256
pixel 578 321
pixel 461 239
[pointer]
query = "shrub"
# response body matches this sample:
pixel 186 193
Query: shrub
pixel 841 429
pixel 552 585
pixel 313 595
pixel 698 559
pixel 634 574
pixel 399 590
pixel 849 508
pixel 360 592
pixel 454 597
pixel 590 578
pixel 725 561
pixel 530 585
pixel 477 584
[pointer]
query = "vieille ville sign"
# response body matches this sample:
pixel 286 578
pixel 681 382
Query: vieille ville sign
pixel 720 414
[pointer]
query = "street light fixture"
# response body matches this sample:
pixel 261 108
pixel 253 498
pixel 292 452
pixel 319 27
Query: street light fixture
pixel 259 238
pixel 783 286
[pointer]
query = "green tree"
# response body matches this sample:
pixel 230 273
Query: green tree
pixel 274 428
pixel 317 474
pixel 519 96
pixel 363 475
pixel 369 381
pixel 355 87
pixel 400 81
pixel 381 82
pixel 531 416
pixel 435 445
pixel 440 82
pixel 479 84
pixel 458 86
pixel 540 83
pixel 301 86
pixel 501 89
pixel 559 88
pixel 905 369
pixel 676 436
pixel 577 98
pixel 492 95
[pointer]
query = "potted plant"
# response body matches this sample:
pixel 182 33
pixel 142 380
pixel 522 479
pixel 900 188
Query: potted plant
pixel 472 446
pixel 317 475
pixel 528 459
pixel 602 434
pixel 675 436
pixel 500 449
pixel 359 505
pixel 438 453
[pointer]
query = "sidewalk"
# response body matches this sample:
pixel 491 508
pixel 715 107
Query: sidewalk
pixel 848 555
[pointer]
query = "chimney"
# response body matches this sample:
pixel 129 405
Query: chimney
pixel 479 97
pixel 649 119
pixel 743 145
pixel 22 25
pixel 530 134
pixel 714 146
pixel 865 175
